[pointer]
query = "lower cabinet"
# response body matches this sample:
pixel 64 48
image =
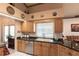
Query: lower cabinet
pixel 64 51
pixel 45 49
pixel 53 50
pixel 74 53
pixel 21 45
pixel 37 48
pixel 41 49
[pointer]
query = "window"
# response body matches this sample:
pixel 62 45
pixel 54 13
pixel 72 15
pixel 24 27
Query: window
pixel 45 30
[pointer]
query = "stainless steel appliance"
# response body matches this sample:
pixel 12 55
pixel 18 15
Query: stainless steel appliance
pixel 29 48
pixel 25 35
pixel 75 45
pixel 67 43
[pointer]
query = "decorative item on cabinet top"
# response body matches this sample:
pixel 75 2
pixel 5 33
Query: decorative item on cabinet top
pixel 54 13
pixel 42 15
pixel 22 16
pixel 10 10
pixel 32 16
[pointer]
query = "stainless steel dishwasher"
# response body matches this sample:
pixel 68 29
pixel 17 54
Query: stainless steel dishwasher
pixel 29 49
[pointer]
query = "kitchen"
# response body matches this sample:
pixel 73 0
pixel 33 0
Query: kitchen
pixel 39 29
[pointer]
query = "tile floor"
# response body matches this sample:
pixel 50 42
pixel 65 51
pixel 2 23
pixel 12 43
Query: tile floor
pixel 16 53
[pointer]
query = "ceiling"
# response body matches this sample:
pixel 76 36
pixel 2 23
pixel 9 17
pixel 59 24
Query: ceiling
pixel 28 5
pixel 35 7
pixel 31 4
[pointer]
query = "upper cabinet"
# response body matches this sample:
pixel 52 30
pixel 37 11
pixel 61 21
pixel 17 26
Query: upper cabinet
pixel 55 13
pixel 58 25
pixel 12 12
pixel 27 26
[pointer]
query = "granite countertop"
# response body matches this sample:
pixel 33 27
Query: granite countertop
pixel 63 43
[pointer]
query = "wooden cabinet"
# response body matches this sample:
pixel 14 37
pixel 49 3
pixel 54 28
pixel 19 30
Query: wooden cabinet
pixel 27 26
pixel 64 51
pixel 21 45
pixel 58 25
pixel 37 48
pixel 41 49
pixel 1 51
pixel 74 53
pixel 45 49
pixel 53 50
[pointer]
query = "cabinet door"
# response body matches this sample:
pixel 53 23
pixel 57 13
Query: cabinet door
pixel 27 26
pixel 26 45
pixel 30 26
pixel 58 25
pixel 63 51
pixel 19 45
pixel 37 48
pixel 45 49
pixel 23 48
pixel 24 27
pixel 53 50
pixel 74 53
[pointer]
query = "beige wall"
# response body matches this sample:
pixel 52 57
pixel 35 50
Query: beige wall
pixel 7 21
pixel 0 30
pixel 46 14
pixel 67 26
pixel 17 14
pixel 71 9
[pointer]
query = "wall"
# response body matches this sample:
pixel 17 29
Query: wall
pixel 3 7
pixel 46 14
pixel 0 30
pixel 67 26
pixel 71 9
pixel 8 21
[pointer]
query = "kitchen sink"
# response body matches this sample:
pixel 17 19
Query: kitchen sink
pixel 45 40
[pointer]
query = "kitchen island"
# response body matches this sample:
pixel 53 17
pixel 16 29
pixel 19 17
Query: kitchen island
pixel 53 48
